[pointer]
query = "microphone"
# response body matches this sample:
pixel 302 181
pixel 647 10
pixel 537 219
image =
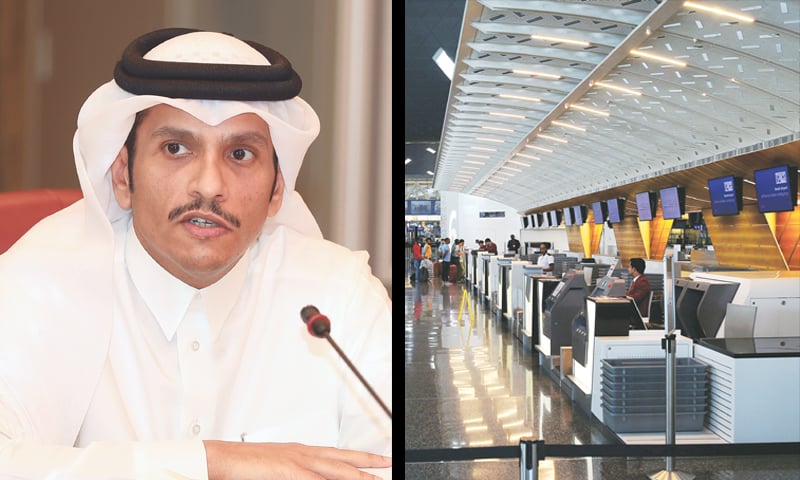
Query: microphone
pixel 320 326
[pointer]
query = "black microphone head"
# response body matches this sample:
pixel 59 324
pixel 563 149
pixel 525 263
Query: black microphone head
pixel 318 324
pixel 307 311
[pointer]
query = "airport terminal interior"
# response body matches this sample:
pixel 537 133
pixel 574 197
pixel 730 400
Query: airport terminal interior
pixel 471 382
pixel 627 146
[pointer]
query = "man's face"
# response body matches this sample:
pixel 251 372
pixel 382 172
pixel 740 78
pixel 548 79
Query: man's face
pixel 543 248
pixel 201 193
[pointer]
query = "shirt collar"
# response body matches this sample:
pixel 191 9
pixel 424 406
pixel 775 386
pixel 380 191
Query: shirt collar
pixel 168 298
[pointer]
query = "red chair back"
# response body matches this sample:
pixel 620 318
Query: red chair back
pixel 20 210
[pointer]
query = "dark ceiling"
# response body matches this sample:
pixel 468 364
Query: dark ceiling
pixel 429 25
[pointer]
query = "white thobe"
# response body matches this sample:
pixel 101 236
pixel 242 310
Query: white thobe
pixel 232 361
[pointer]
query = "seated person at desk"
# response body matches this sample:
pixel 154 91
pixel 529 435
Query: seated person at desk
pixel 153 329
pixel 545 260
pixel 491 247
pixel 640 288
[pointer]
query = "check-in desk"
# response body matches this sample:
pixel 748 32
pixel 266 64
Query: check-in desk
pixel 493 282
pixel 502 299
pixel 638 344
pixel 468 260
pixel 560 307
pixel 537 287
pixel 701 300
pixel 515 295
pixel 755 388
pixel 482 274
pixel 603 317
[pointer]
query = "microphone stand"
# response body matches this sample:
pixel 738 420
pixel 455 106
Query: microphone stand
pixel 320 326
pixel 327 337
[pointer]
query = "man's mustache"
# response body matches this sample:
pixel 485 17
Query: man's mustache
pixel 202 204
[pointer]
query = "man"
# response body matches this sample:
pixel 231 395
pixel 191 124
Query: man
pixel 640 288
pixel 426 249
pixel 444 256
pixel 456 252
pixel 491 247
pixel 545 260
pixel 152 329
pixel 513 245
pixel 416 252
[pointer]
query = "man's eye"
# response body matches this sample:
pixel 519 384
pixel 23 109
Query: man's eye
pixel 175 148
pixel 242 154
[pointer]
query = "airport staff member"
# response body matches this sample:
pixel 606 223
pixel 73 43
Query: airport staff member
pixel 545 260
pixel 152 329
pixel 639 290
pixel 512 246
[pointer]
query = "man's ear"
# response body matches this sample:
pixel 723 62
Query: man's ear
pixel 120 179
pixel 277 196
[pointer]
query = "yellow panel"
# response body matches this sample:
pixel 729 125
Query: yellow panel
pixel 629 238
pixel 574 238
pixel 659 234
pixel 745 240
pixel 787 233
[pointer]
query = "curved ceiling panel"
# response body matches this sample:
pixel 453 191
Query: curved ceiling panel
pixel 607 93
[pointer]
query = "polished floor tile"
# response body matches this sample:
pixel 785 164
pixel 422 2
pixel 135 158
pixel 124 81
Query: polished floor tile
pixel 470 383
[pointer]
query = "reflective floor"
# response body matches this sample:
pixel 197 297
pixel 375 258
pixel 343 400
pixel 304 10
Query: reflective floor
pixel 470 383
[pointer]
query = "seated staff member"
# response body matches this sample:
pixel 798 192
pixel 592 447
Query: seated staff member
pixel 152 329
pixel 640 288
pixel 545 260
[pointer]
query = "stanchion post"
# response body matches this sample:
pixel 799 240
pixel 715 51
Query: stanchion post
pixel 669 344
pixel 529 458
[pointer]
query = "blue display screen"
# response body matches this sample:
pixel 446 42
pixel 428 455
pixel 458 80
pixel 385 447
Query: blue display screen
pixel 614 213
pixel 726 198
pixel 671 203
pixel 776 189
pixel 644 206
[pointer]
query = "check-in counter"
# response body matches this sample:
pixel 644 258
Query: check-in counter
pixel 533 295
pixel 515 296
pixel 638 344
pixel 560 308
pixel 493 282
pixel 755 392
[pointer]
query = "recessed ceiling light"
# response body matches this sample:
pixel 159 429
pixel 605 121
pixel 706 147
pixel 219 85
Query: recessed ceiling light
pixel 408 160
pixel 430 150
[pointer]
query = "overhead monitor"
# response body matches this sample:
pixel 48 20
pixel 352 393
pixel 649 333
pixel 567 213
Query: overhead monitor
pixel 600 212
pixel 616 210
pixel 544 219
pixel 555 218
pixel 580 212
pixel 568 217
pixel 673 202
pixel 776 188
pixel 524 220
pixel 534 221
pixel 646 203
pixel 725 194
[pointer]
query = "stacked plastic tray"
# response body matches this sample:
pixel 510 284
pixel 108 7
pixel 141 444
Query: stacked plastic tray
pixel 634 398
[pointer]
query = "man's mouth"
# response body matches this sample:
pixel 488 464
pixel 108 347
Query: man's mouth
pixel 202 222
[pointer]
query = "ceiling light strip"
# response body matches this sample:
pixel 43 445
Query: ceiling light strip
pixel 610 86
pixel 570 41
pixel 590 110
pixel 568 125
pixel 660 58
pixel 718 11
pixel 535 73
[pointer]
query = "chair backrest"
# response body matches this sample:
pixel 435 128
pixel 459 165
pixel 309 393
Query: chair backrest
pixel 649 305
pixel 20 210
pixel 740 320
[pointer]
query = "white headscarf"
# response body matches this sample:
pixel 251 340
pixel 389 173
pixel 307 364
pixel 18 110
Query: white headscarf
pixel 106 118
